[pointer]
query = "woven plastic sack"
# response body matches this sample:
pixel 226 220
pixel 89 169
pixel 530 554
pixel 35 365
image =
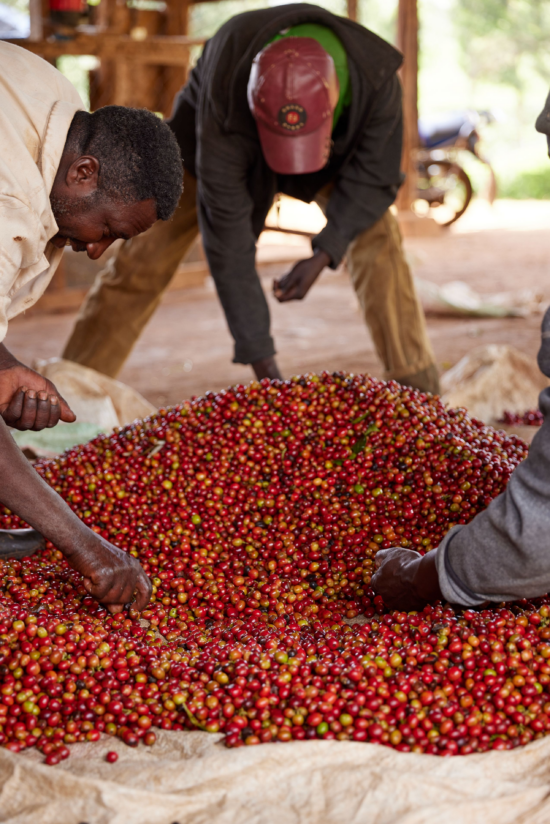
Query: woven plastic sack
pixel 100 403
pixel 491 380
pixel 94 397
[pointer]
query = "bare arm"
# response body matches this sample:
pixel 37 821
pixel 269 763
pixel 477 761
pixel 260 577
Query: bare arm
pixel 110 575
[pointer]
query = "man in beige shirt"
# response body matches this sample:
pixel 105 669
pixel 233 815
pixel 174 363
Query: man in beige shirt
pixel 66 177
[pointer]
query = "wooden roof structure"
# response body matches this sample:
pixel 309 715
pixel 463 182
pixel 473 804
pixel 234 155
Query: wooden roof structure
pixel 144 55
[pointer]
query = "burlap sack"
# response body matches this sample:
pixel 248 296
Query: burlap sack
pixel 491 380
pixel 190 779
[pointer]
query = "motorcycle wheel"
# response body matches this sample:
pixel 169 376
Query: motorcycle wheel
pixel 442 182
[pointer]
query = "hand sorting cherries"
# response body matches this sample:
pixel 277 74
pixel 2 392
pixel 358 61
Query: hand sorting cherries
pixel 257 513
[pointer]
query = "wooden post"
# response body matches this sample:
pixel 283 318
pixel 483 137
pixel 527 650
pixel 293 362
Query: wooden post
pixel 37 25
pixel 146 79
pixel 120 17
pixel 47 28
pixel 353 9
pixel 172 78
pixel 407 42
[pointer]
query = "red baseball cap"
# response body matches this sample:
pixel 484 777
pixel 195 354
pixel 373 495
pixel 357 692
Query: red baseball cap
pixel 292 93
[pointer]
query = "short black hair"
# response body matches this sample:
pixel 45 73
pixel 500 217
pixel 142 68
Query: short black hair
pixel 138 155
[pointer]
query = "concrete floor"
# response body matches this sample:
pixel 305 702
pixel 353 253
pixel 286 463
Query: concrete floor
pixel 186 349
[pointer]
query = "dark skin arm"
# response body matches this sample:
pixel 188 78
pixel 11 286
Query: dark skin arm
pixel 297 283
pixel 293 286
pixel 405 579
pixel 110 575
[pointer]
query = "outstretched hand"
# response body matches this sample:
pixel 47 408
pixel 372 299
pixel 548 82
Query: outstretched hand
pixel 27 399
pixel 296 284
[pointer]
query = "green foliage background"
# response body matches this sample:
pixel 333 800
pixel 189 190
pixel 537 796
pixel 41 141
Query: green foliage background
pixel 502 39
pixel 528 184
pixel 504 44
pixel 20 5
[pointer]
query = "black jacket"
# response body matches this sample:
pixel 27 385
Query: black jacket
pixel 220 147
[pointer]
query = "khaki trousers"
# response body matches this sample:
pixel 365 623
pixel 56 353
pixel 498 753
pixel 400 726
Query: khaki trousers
pixel 385 289
pixel 128 290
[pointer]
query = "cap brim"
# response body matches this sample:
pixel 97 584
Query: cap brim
pixel 296 154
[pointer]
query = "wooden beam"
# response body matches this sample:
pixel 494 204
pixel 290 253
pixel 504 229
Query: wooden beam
pixel 153 51
pixel 407 42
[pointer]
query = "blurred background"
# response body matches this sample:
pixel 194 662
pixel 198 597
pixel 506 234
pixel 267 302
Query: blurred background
pixel 483 75
pixel 484 55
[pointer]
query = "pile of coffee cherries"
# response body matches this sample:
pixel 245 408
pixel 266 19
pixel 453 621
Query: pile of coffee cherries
pixel 257 513
pixel 533 417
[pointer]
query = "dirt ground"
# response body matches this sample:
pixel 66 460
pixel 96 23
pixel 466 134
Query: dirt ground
pixel 186 349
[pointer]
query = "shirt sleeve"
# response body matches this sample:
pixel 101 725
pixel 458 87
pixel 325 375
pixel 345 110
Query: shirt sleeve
pixel 452 588
pixel 504 553
pixel 225 220
pixel 4 307
pixel 368 183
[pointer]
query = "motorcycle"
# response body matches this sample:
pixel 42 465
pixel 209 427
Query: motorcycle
pixel 442 181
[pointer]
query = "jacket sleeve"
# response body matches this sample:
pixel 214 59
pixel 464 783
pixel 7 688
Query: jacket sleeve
pixel 368 183
pixel 191 91
pixel 504 553
pixel 182 120
pixel 225 219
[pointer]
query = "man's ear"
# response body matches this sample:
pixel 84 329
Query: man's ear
pixel 82 175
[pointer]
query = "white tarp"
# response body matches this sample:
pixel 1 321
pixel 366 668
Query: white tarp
pixel 458 298
pixel 189 778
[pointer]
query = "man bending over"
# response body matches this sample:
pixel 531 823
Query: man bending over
pixel 66 177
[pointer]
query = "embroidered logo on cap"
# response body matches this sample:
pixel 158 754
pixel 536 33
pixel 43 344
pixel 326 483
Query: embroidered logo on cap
pixel 292 117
